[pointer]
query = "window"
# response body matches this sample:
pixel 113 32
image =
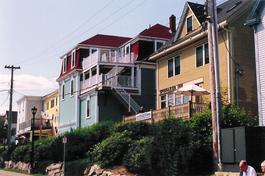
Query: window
pixel 199 56
pixel 47 105
pixel 93 51
pixel 127 49
pixel 64 64
pixel 72 87
pixel 170 99
pixel 186 99
pixel 94 71
pixel 56 103
pixel 189 24
pixel 158 45
pixel 87 109
pixel 73 59
pixel 63 91
pixel 170 68
pixel 202 55
pixel 177 65
pixel 206 54
pixel 52 103
pixel 174 66
pixel 178 100
pixel 87 75
pixel 163 101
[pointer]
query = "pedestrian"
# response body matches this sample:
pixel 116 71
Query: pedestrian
pixel 246 170
pixel 263 167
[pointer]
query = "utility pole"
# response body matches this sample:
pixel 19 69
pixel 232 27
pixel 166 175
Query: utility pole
pixel 9 120
pixel 214 79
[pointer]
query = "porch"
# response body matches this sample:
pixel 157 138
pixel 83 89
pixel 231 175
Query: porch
pixel 185 110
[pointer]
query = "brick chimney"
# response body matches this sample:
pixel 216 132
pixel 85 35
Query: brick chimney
pixel 172 24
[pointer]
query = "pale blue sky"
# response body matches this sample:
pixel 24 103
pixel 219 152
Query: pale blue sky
pixel 35 33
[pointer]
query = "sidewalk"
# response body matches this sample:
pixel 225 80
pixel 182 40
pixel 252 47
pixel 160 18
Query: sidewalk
pixel 7 173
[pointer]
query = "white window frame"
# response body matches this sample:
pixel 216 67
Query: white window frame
pixel 73 59
pixel 63 91
pixel 187 24
pixel 160 41
pixel 64 64
pixel 174 73
pixel 87 106
pixel 203 55
pixel 72 88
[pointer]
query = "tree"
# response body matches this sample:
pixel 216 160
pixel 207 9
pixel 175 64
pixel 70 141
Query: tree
pixel 3 130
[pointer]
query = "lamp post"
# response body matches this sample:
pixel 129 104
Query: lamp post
pixel 33 110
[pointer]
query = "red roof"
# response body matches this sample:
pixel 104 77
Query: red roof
pixel 157 30
pixel 106 40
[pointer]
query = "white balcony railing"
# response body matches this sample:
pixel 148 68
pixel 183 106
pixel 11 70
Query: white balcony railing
pixel 90 61
pixel 119 81
pixel 92 81
pixel 106 56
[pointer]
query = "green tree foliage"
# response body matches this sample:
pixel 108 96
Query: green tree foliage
pixel 3 130
pixel 110 151
pixel 172 147
pixel 138 157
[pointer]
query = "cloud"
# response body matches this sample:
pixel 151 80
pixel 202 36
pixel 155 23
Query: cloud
pixel 25 84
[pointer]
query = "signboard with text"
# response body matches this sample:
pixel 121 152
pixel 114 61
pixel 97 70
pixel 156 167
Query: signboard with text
pixel 144 116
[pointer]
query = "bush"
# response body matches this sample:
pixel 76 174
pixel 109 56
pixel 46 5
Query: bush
pixel 234 117
pixel 40 166
pixel 83 139
pixel 172 147
pixel 111 151
pixel 138 158
pixel 21 153
pixel 135 130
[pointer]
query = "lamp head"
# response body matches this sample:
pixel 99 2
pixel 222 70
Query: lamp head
pixel 34 110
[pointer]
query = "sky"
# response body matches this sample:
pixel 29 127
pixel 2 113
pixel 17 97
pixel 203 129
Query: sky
pixel 35 33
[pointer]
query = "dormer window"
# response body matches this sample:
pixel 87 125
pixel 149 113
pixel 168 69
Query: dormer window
pixel 158 44
pixel 189 24
pixel 73 59
pixel 64 64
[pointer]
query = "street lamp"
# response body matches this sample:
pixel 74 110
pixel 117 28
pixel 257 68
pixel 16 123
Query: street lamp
pixel 33 110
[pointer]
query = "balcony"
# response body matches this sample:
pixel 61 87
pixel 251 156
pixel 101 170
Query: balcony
pixel 91 82
pixel 107 57
pixel 186 110
pixel 38 124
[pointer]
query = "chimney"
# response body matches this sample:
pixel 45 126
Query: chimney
pixel 172 23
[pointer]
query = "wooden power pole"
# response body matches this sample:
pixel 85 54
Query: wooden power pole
pixel 9 120
pixel 214 79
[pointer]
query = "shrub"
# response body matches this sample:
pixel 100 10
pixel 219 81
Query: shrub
pixel 43 148
pixel 172 147
pixel 110 151
pixel 21 153
pixel 234 117
pixel 135 130
pixel 138 158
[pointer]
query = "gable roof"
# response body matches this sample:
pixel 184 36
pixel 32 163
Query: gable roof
pixel 254 16
pixel 158 31
pixel 105 40
pixel 198 10
pixel 226 12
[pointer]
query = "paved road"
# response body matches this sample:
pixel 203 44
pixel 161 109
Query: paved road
pixel 6 173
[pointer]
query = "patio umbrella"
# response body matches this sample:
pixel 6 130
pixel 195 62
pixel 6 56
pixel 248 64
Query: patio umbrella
pixel 192 89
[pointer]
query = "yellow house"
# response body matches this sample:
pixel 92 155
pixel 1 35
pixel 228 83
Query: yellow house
pixel 51 109
pixel 185 60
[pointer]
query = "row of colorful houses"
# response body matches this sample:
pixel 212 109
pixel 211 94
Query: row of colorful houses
pixel 111 77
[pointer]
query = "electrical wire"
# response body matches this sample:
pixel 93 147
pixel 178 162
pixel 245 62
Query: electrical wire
pixel 5 100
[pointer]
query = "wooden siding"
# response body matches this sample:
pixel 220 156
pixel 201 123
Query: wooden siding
pixel 195 23
pixel 188 69
pixel 260 63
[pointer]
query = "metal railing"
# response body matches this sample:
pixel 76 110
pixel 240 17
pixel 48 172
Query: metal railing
pixel 38 123
pixel 186 110
pixel 132 104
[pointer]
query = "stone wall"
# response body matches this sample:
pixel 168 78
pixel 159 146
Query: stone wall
pixel 24 167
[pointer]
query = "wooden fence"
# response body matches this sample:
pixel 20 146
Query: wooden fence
pixel 179 111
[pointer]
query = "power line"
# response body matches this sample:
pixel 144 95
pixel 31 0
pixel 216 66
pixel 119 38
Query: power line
pixel 69 34
pixel 5 100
